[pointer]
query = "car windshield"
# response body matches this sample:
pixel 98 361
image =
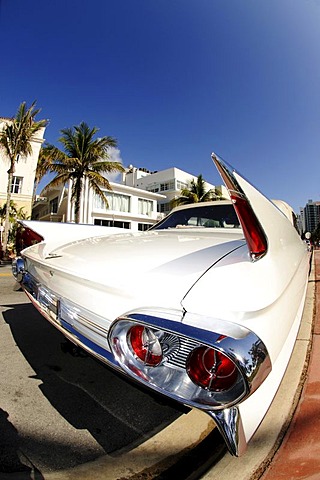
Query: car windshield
pixel 206 216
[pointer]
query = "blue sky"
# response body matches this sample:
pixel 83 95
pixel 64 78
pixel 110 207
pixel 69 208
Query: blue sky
pixel 173 80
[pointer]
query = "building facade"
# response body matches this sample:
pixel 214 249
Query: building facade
pixel 168 182
pixel 140 200
pixel 23 179
pixel 310 216
pixel 128 207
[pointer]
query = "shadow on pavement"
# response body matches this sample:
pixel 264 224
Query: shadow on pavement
pixel 10 461
pixel 88 395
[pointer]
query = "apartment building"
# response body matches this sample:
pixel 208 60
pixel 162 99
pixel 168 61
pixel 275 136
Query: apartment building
pixel 137 202
pixel 168 182
pixel 128 207
pixel 310 216
pixel 23 179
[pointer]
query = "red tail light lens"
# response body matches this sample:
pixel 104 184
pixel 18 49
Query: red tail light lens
pixel 25 237
pixel 145 345
pixel 251 227
pixel 211 369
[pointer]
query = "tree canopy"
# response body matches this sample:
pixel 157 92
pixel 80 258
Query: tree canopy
pixel 83 157
pixel 196 192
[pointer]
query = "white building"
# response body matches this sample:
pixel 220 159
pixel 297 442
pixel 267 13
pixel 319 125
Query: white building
pixel 168 182
pixel 138 202
pixel 23 180
pixel 128 207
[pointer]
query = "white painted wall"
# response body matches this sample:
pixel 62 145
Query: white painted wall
pixel 25 168
pixel 155 181
pixel 90 212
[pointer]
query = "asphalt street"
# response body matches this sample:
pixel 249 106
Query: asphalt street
pixel 58 410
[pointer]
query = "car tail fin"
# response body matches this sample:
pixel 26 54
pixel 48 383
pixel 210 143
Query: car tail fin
pixel 254 234
pixel 266 226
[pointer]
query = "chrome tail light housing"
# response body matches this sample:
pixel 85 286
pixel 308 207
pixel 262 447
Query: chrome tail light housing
pixel 207 370
pixel 212 371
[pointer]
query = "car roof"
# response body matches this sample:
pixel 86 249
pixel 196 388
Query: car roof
pixel 214 203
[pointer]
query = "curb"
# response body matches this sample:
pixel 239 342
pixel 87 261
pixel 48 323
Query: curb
pixel 152 458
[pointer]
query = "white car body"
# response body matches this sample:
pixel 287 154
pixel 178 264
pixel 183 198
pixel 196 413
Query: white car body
pixel 181 295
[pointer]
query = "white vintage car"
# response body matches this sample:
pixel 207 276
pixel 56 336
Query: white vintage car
pixel 203 308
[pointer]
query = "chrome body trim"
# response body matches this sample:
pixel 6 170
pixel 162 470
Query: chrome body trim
pixel 30 285
pixel 70 320
pixel 230 426
pixel 244 348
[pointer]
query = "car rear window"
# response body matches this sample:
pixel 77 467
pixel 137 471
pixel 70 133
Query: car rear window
pixel 213 216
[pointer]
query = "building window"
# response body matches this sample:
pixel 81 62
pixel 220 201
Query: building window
pixel 54 205
pixel 116 202
pixel 142 227
pixel 153 188
pixel 112 223
pixel 181 185
pixel 16 185
pixel 164 207
pixel 167 186
pixel 145 207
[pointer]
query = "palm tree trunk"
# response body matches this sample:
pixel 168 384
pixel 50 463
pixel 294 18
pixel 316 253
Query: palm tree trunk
pixel 34 192
pixel 77 209
pixel 7 218
pixel 78 198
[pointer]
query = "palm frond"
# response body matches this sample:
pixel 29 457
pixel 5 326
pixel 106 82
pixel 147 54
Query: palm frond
pixel 83 157
pixel 194 193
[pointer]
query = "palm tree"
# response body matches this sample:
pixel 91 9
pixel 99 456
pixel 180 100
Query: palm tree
pixel 15 140
pixel 195 193
pixel 83 158
pixel 12 212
